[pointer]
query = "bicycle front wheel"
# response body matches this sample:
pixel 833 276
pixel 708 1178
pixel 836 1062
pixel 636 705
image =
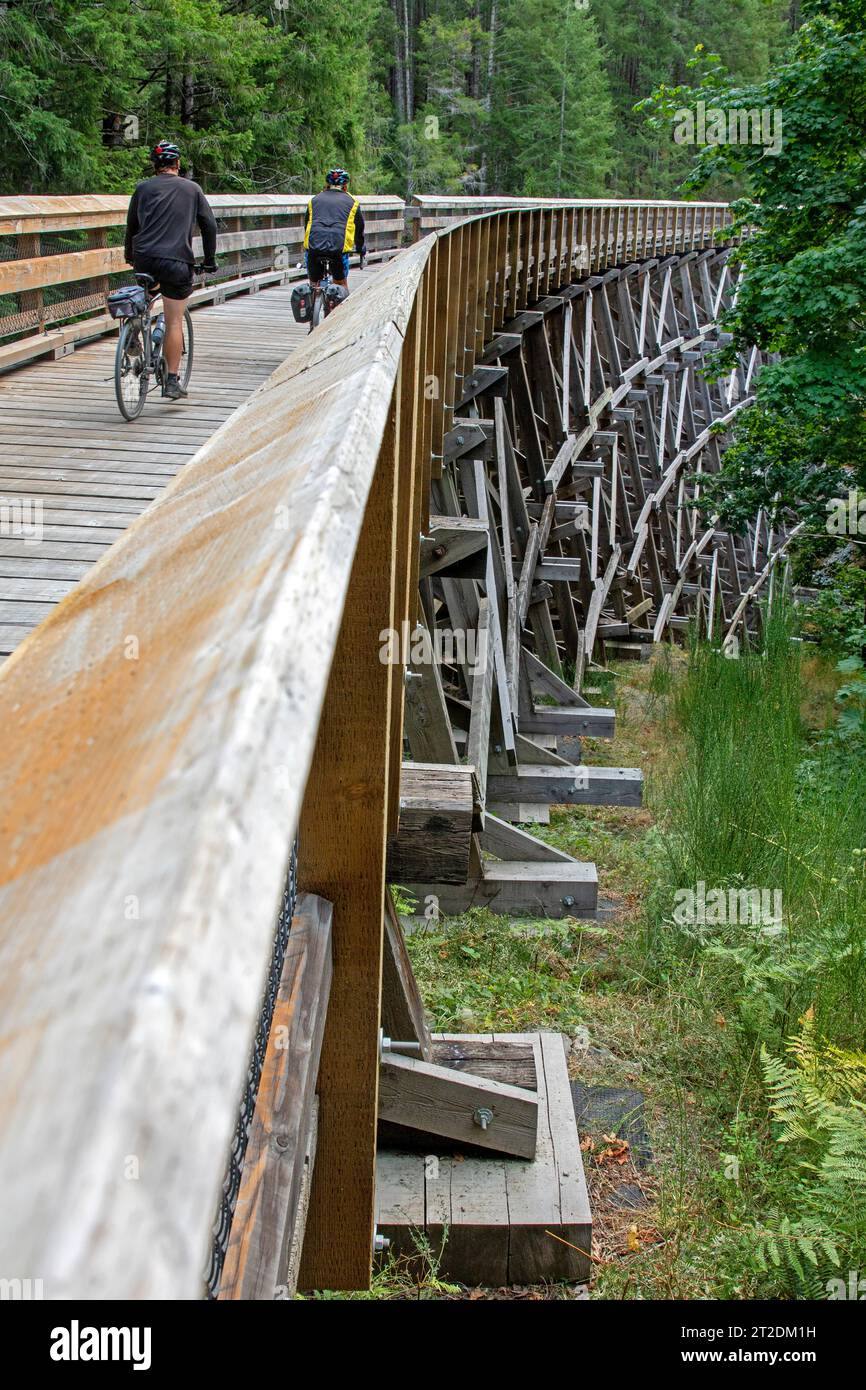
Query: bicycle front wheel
pixel 130 378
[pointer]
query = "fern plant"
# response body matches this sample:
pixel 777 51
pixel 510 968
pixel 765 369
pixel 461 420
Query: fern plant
pixel 817 1099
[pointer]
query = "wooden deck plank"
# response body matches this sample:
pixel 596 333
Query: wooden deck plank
pixel 64 445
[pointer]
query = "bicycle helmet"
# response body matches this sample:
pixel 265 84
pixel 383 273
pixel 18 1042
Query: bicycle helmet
pixel 164 154
pixel 337 178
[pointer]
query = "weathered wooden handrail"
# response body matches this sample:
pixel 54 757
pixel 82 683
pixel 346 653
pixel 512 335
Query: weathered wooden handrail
pixel 613 231
pixel 56 260
pixel 213 684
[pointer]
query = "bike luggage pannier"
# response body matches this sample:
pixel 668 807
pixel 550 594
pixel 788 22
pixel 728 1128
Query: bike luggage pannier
pixel 334 295
pixel 127 302
pixel 302 302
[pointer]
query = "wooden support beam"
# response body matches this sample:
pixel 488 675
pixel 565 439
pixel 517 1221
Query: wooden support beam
pixel 478 742
pixel 450 541
pixel 436 816
pixel 427 727
pixel 586 786
pixel 267 1220
pixel 526 888
pixel 342 857
pixel 507 841
pixel 437 1101
pixel 588 723
pixel 403 1015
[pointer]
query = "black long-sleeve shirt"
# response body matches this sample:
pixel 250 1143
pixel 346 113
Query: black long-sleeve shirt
pixel 162 216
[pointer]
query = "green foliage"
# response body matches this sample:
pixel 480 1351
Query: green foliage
pixel 652 43
pixel 751 801
pixel 819 1108
pixel 803 294
pixel 257 97
pixel 752 805
pixel 404 903
pixel 835 619
pixel 552 125
pixel 514 96
pixel 480 972
pixel 414 1275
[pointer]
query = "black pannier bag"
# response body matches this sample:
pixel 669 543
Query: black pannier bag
pixel 334 295
pixel 302 302
pixel 127 302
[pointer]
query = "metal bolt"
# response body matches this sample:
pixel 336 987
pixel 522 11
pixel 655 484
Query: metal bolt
pixel 482 1117
pixel 380 1244
pixel 405 1049
pixel 439 551
pixel 568 902
pixel 412 676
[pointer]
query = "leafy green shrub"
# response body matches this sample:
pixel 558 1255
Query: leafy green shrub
pixel 835 618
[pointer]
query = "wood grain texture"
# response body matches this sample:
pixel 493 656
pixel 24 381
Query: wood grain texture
pixel 148 807
pixel 432 841
pixel 502 1220
pixel 264 1226
pixel 63 442
pixel 436 1101
pixel 343 832
pixel 403 1015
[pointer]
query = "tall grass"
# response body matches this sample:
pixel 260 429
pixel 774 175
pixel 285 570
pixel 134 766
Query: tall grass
pixel 751 805
pixel 752 800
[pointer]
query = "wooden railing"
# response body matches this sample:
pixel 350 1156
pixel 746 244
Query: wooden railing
pixel 60 255
pixel 211 687
pixel 612 231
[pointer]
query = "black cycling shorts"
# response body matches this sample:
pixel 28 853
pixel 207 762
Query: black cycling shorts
pixel 175 277
pixel 322 263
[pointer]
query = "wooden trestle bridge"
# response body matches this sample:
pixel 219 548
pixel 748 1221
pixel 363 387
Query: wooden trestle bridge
pixel 218 624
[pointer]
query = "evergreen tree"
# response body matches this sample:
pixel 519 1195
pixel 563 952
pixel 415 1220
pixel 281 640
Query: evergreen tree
pixel 471 96
pixel 652 43
pixel 551 117
pixel 803 291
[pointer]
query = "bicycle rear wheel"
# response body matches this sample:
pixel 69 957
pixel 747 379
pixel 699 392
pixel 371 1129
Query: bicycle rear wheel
pixel 130 378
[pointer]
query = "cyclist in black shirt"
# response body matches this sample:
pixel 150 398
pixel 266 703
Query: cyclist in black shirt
pixel 160 223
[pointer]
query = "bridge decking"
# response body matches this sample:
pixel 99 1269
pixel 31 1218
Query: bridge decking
pixel 63 443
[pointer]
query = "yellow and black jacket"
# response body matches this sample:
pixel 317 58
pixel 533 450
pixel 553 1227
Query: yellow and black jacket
pixel 334 222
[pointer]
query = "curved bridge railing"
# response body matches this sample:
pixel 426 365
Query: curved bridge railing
pixel 59 256
pixel 214 688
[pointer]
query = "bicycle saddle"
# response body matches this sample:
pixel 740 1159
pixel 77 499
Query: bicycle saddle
pixel 146 281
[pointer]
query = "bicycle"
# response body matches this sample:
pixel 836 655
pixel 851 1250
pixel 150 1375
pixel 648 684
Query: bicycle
pixel 322 305
pixel 139 356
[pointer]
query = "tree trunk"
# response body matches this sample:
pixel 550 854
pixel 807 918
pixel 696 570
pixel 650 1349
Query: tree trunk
pixel 475 68
pixel 398 85
pixel 410 84
pixel 483 172
pixel 187 100
pixel 562 118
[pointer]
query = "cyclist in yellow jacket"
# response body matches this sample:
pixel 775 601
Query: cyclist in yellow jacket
pixel 335 226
